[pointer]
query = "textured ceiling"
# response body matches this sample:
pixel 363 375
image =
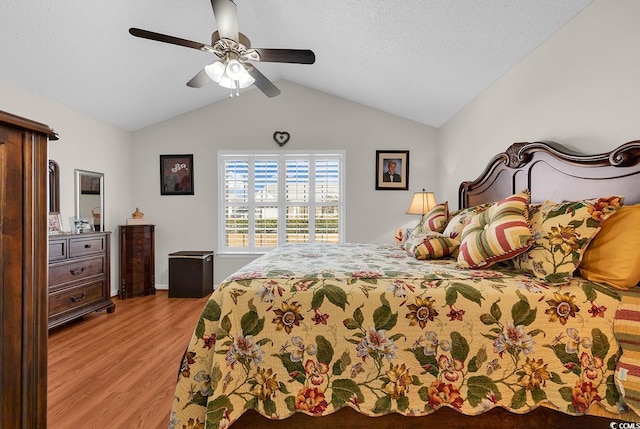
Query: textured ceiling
pixel 418 59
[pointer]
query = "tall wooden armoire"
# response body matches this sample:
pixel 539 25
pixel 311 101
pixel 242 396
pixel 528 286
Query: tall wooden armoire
pixel 23 271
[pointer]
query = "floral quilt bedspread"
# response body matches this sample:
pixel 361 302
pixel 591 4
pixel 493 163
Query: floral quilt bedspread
pixel 314 328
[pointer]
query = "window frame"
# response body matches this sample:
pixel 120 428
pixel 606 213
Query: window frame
pixel 282 203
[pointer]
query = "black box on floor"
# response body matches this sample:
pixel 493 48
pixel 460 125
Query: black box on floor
pixel 190 274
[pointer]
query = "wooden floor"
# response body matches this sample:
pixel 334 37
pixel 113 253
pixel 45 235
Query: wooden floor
pixel 119 370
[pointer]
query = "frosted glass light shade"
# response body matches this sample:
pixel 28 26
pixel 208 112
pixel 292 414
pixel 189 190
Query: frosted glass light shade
pixel 235 70
pixel 215 71
pixel 219 73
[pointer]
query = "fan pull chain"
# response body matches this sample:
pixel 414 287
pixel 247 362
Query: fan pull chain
pixel 236 84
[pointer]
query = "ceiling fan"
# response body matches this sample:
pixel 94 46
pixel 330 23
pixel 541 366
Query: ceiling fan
pixel 234 69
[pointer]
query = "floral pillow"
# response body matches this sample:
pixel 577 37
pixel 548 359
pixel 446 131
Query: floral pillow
pixel 497 234
pixel 562 232
pixel 432 245
pixel 459 219
pixel 434 220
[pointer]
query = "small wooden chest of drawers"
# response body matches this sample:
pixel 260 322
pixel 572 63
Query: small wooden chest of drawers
pixel 79 276
pixel 137 260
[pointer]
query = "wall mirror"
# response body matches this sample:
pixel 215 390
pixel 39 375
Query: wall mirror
pixel 89 198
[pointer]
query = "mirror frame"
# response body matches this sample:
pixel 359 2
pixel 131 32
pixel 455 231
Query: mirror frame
pixel 78 174
pixel 54 187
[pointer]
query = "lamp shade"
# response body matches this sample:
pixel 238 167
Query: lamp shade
pixel 421 203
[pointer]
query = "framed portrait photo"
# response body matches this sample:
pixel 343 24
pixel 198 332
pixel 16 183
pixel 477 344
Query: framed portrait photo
pixel 176 174
pixel 392 170
pixel 55 223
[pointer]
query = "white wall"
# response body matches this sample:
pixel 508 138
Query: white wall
pixel 580 88
pixel 85 143
pixel 315 120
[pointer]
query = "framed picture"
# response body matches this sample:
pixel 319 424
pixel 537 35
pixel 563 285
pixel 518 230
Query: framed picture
pixel 89 184
pixel 81 225
pixel 55 223
pixel 176 174
pixel 392 170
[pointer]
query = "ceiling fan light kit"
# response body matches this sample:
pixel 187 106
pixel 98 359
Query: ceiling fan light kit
pixel 229 74
pixel 234 70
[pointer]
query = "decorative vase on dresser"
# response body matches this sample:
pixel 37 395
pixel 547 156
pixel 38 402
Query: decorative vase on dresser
pixel 137 260
pixel 79 275
pixel 23 271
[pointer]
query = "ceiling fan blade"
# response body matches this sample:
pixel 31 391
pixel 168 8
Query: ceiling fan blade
pixel 199 80
pixel 145 34
pixel 226 13
pixel 263 84
pixel 298 56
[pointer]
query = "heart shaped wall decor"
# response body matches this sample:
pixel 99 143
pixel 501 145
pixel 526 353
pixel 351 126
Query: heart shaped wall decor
pixel 281 137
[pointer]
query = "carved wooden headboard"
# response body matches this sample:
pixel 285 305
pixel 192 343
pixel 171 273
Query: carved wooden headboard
pixel 551 172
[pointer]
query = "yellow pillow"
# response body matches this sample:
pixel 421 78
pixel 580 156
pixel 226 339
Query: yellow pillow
pixel 613 256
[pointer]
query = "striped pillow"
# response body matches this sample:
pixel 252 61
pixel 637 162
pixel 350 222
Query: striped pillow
pixel 414 240
pixel 436 247
pixel 458 219
pixel 497 234
pixel 626 326
pixel 434 220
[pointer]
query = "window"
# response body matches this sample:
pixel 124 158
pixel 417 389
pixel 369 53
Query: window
pixel 270 199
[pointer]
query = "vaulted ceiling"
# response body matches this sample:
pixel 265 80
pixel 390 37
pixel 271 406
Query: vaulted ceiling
pixel 419 59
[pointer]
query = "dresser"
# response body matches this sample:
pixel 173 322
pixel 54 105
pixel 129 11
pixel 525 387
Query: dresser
pixel 137 260
pixel 23 271
pixel 79 276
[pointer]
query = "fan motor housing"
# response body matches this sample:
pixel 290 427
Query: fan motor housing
pixel 244 40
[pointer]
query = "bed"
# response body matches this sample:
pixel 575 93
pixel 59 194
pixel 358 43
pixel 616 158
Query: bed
pixel 321 335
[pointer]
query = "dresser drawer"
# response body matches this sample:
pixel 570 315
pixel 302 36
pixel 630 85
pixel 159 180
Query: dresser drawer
pixel 86 246
pixel 75 270
pixel 75 297
pixel 57 249
pixel 139 250
pixel 140 243
pixel 139 232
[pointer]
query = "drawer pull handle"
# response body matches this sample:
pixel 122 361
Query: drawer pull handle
pixel 77 272
pixel 87 246
pixel 80 298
